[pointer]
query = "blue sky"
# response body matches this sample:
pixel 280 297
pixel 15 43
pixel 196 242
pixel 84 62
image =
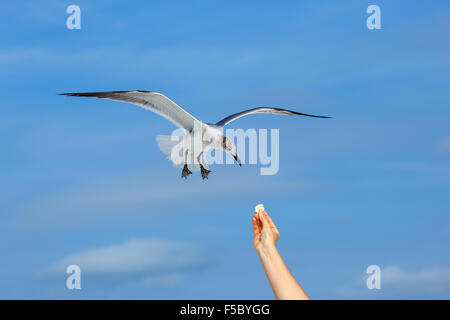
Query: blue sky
pixel 82 180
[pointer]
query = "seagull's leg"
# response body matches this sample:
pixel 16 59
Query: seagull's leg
pixel 186 171
pixel 204 171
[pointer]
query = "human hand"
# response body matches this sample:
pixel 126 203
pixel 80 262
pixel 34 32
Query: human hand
pixel 265 233
pixel 265 237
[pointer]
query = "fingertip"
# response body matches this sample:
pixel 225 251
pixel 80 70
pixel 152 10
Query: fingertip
pixel 262 219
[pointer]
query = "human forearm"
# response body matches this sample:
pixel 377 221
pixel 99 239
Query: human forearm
pixel 265 237
pixel 283 283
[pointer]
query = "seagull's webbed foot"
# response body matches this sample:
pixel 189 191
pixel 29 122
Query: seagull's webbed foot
pixel 185 172
pixel 204 172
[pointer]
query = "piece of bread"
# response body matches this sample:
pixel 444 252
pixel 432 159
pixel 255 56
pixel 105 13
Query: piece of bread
pixel 259 208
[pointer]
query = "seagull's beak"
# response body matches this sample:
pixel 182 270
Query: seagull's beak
pixel 237 159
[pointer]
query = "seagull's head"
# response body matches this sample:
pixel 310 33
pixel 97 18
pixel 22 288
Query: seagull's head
pixel 230 147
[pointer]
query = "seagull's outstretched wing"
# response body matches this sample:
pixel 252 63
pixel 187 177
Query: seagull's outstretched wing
pixel 235 116
pixel 149 100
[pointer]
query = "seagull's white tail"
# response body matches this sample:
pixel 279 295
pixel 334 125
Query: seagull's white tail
pixel 166 145
pixel 172 147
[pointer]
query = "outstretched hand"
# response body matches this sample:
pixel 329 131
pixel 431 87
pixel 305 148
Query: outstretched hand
pixel 265 237
pixel 265 233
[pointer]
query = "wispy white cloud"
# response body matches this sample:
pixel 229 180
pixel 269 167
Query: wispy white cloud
pixel 167 59
pixel 429 280
pixel 411 166
pixel 183 58
pixel 153 261
pixel 401 283
pixel 443 148
pixel 32 11
pixel 167 280
pixel 141 196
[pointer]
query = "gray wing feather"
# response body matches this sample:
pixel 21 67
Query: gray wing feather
pixel 149 100
pixel 235 116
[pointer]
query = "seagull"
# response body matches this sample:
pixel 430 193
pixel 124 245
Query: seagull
pixel 211 135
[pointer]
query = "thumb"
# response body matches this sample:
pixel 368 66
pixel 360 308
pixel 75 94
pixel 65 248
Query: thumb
pixel 265 223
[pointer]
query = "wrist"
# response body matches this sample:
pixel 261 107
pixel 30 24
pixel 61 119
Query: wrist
pixel 267 250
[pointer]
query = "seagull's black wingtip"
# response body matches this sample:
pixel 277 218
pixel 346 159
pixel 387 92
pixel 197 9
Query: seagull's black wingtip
pixel 321 117
pixel 308 115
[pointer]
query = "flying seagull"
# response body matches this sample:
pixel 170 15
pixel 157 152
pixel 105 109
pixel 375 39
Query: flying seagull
pixel 212 136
